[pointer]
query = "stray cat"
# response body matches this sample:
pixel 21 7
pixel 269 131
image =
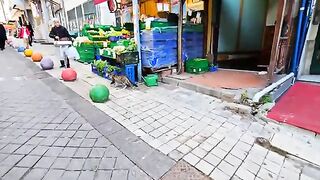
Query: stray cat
pixel 121 80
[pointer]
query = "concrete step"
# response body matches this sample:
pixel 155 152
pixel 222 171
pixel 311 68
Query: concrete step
pixel 306 147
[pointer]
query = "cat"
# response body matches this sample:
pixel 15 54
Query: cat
pixel 122 80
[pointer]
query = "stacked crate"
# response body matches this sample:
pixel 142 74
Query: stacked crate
pixel 193 44
pixel 159 47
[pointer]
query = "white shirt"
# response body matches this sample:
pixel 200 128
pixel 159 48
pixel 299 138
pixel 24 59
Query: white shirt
pixel 25 35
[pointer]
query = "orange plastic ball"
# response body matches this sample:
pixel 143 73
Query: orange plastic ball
pixel 36 57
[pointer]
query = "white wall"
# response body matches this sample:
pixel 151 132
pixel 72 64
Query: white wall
pixel 6 11
pixel 272 12
pixel 106 18
pixel 308 50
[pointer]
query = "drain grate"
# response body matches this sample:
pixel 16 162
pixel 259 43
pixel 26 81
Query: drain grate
pixel 184 171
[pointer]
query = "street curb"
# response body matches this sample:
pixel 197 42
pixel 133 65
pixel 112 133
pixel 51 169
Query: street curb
pixel 225 96
pixel 150 160
pixel 229 98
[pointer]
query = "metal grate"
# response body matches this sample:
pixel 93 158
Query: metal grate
pixel 183 170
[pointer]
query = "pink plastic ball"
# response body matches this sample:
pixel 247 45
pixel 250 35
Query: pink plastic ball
pixel 69 74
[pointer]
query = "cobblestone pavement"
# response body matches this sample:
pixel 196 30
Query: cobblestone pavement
pixel 42 137
pixel 198 129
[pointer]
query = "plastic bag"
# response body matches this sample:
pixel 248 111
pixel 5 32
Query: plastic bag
pixel 72 53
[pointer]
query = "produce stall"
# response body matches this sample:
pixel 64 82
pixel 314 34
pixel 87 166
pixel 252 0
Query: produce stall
pixel 151 36
pixel 109 50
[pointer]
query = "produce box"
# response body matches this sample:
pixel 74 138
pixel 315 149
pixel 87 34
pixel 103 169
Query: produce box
pixel 197 66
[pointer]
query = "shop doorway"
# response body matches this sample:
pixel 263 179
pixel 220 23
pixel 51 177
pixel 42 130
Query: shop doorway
pixel 242 24
pixel 315 63
pixel 247 34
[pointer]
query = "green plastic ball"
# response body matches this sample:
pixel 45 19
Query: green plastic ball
pixel 99 93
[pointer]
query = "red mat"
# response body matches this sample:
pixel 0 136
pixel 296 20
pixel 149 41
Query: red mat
pixel 300 107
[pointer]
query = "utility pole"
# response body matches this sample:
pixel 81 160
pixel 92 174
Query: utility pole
pixel 136 18
pixel 4 12
pixel 180 31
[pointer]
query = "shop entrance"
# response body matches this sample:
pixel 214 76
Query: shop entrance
pixel 246 34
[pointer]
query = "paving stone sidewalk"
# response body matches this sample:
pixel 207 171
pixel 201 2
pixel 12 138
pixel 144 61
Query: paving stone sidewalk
pixel 42 137
pixel 200 130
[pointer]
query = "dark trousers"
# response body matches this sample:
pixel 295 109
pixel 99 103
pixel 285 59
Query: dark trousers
pixel 30 40
pixel 2 44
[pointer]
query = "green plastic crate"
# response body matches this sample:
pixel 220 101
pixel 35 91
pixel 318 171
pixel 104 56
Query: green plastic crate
pixel 151 80
pixel 97 38
pixel 197 66
pixel 87 55
pixel 124 42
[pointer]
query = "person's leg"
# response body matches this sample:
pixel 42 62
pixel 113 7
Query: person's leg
pixel 2 44
pixel 61 57
pixel 26 41
pixel 30 40
pixel 65 55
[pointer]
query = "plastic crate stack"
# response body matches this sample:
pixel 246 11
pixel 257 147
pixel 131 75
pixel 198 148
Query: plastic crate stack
pixel 159 47
pixel 193 44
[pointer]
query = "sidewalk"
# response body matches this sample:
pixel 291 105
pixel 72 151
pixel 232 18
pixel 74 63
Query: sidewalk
pixel 198 129
pixel 43 137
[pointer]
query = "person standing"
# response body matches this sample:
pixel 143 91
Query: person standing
pixel 24 34
pixel 29 26
pixel 60 33
pixel 3 37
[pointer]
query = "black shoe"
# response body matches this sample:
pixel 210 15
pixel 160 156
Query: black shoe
pixel 62 64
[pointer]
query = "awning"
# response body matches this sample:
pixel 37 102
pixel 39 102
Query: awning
pixel 96 2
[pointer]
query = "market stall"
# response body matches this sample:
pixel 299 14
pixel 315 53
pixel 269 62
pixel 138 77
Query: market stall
pixel 146 40
pixel 108 49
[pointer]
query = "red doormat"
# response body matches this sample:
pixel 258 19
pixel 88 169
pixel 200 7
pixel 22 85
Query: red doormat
pixel 300 107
